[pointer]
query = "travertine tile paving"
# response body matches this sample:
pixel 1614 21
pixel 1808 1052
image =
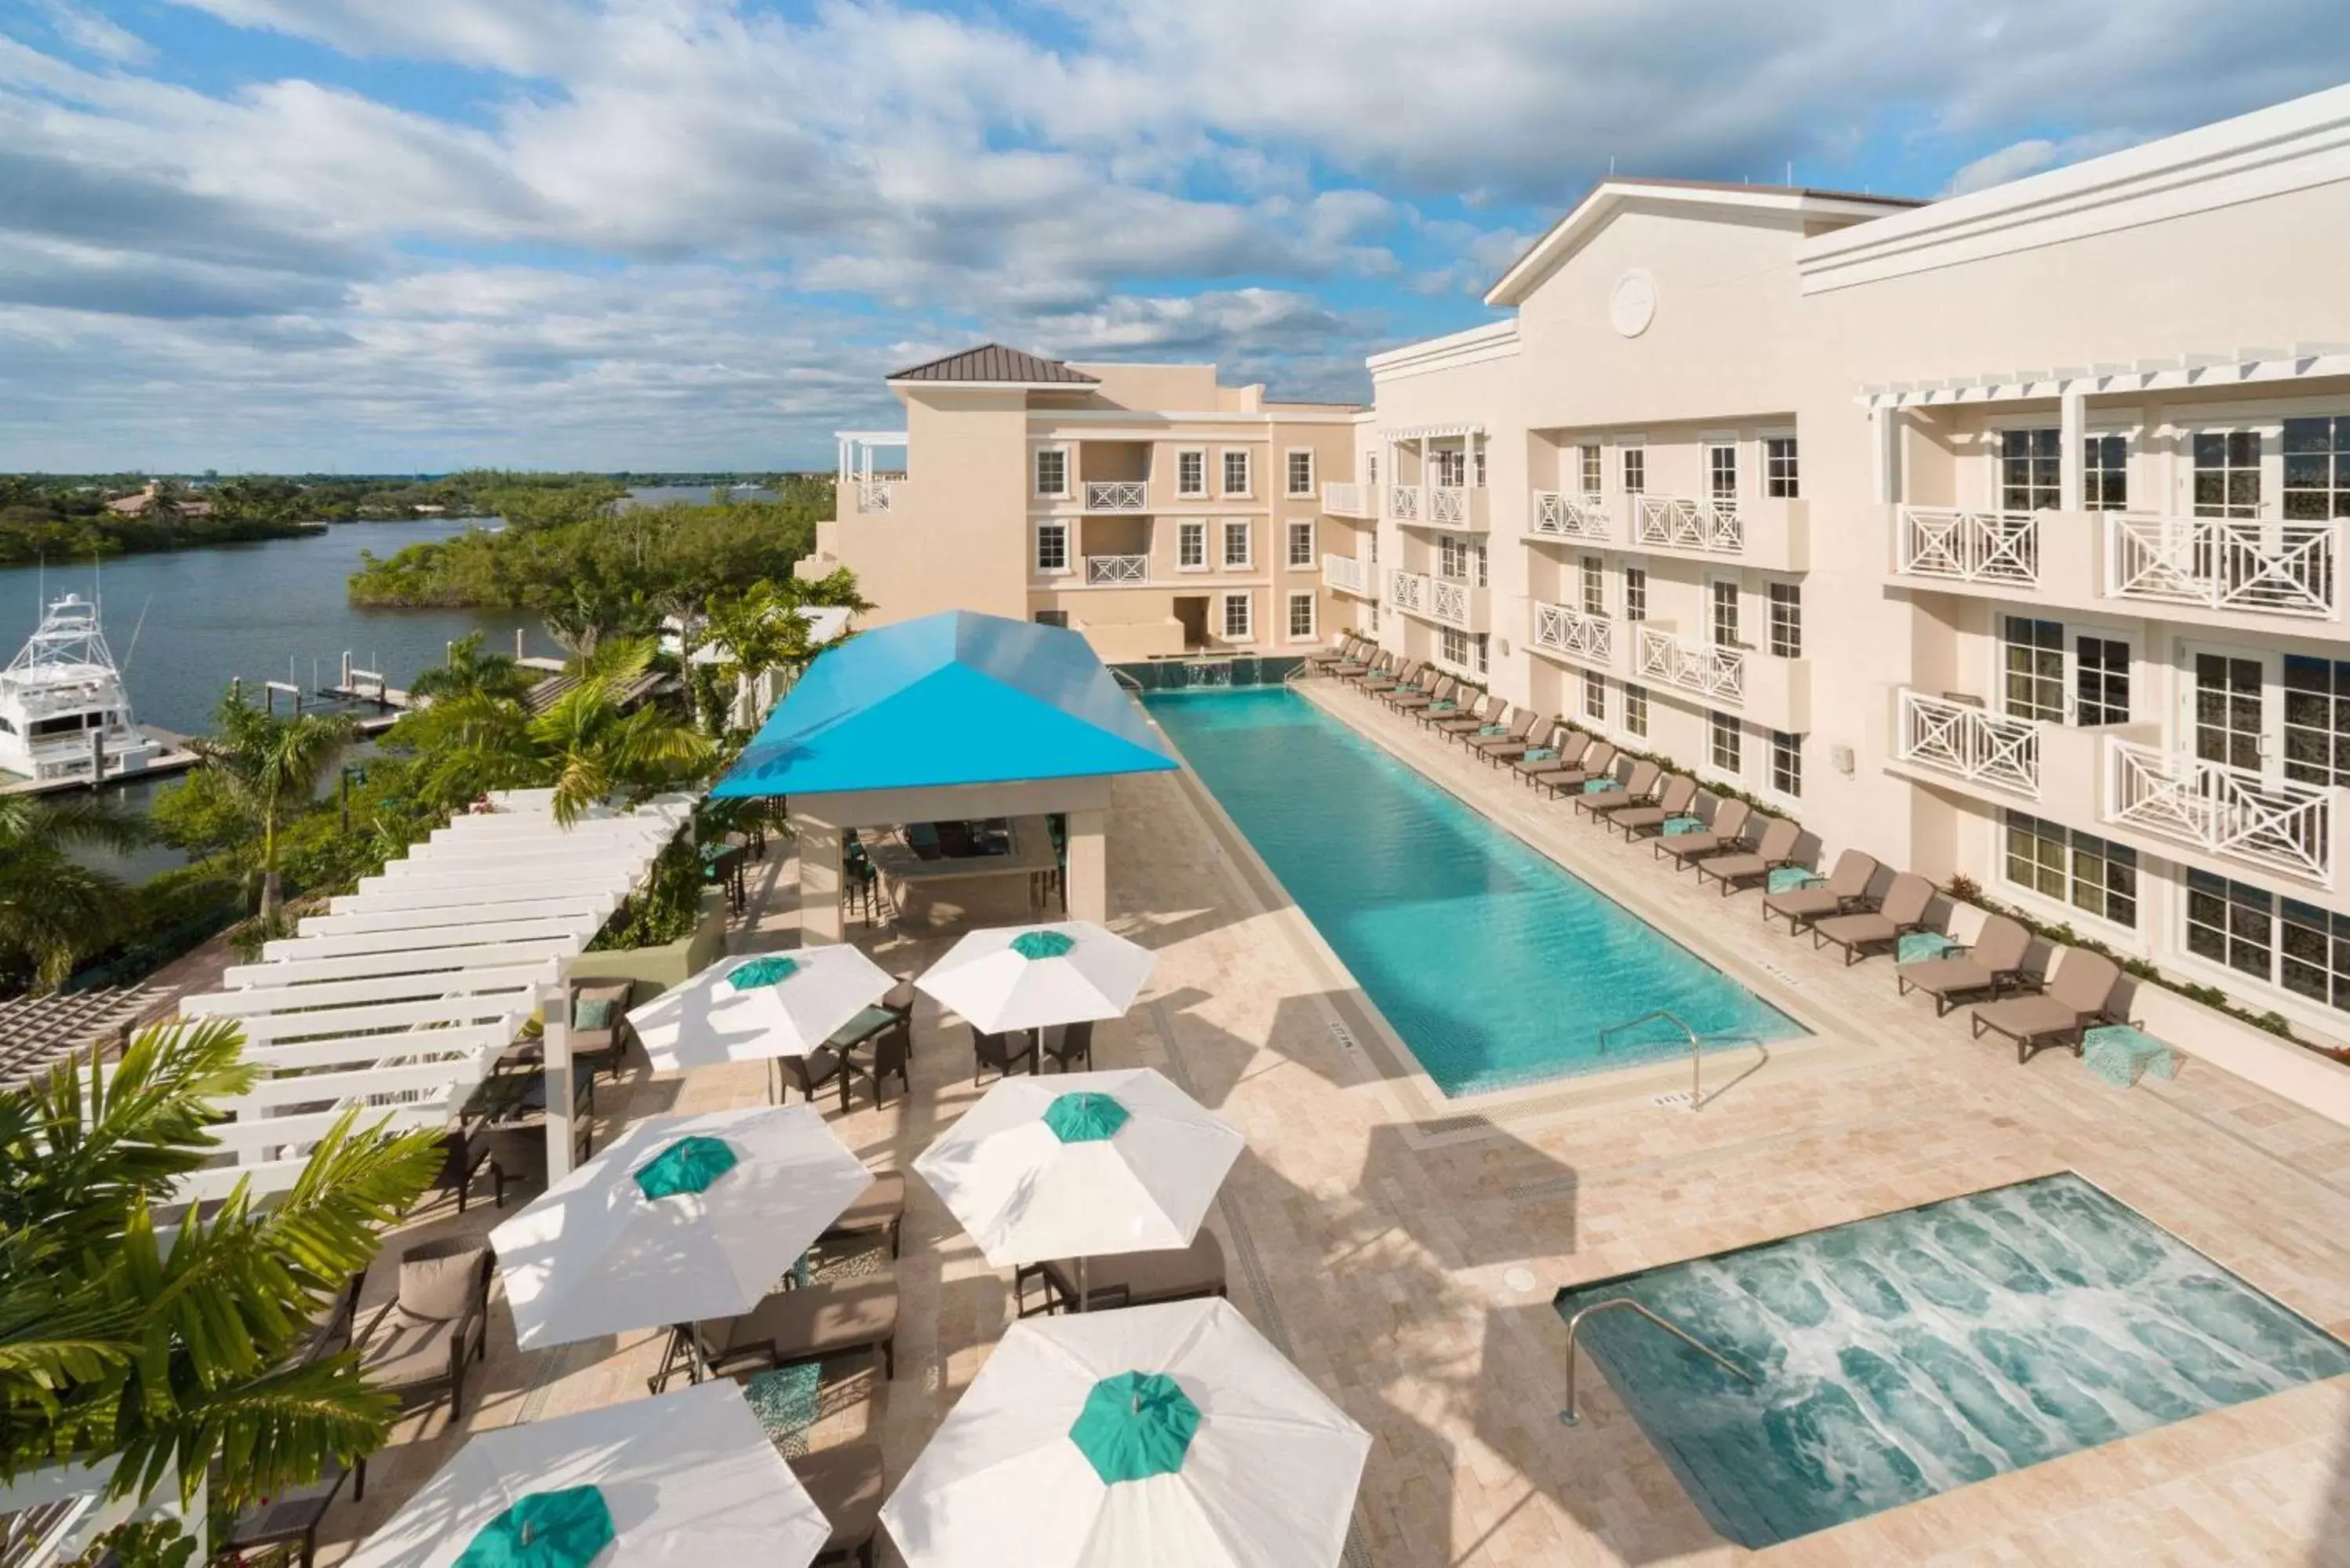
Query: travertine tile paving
pixel 1387 1240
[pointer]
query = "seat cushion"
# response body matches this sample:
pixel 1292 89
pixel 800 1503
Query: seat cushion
pixel 819 1320
pixel 1862 928
pixel 407 1352
pixel 1803 901
pixel 2028 1015
pixel 1938 976
pixel 845 1483
pixel 1174 1274
pixel 881 1205
pixel 439 1287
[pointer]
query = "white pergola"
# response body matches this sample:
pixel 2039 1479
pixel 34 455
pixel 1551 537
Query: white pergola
pixel 404 994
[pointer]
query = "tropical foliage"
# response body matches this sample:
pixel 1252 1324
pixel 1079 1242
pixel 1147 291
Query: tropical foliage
pixel 264 768
pixel 55 907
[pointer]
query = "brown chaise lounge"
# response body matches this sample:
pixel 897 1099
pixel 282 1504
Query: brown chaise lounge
pixel 811 1322
pixel 1329 658
pixel 1404 698
pixel 1499 748
pixel 1127 1279
pixel 1994 963
pixel 2079 993
pixel 1380 665
pixel 881 1212
pixel 1507 720
pixel 1639 780
pixel 1565 746
pixel 1401 676
pixel 1470 720
pixel 1774 847
pixel 1464 707
pixel 1904 910
pixel 1724 835
pixel 1674 800
pixel 1597 758
pixel 1846 890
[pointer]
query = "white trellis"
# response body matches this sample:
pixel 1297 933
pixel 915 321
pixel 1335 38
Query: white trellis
pixel 402 995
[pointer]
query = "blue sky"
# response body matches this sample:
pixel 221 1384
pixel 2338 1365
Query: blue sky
pixel 404 234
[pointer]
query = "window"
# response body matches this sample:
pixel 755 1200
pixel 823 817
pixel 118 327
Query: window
pixel 1301 617
pixel 1721 621
pixel 1636 470
pixel 1479 566
pixel 1192 545
pixel 1477 468
pixel 1721 473
pixel 1052 546
pixel 1300 469
pixel 1787 764
pixel 2316 469
pixel 1787 620
pixel 1636 709
pixel 1053 617
pixel 2316 720
pixel 1239 624
pixel 1236 472
pixel 1594 586
pixel 2033 652
pixel 1590 455
pixel 1053 470
pixel 1450 466
pixel 2227 474
pixel 1635 593
pixel 2073 868
pixel 2028 478
pixel 1237 543
pixel 1371 469
pixel 1779 472
pixel 1481 645
pixel 1723 748
pixel 1301 543
pixel 2231 924
pixel 1453 646
pixel 1191 474
pixel 1595 697
pixel 2101 680
pixel 2228 711
pixel 2104 473
pixel 1453 559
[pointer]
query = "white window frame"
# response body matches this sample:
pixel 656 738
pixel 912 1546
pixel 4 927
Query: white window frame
pixel 1626 449
pixel 1480 565
pixel 1300 528
pixel 1289 470
pixel 1481 646
pixel 1248 617
pixel 1636 709
pixel 1445 638
pixel 1224 472
pixel 1771 750
pixel 1190 530
pixel 1714 583
pixel 1312 617
pixel 1188 493
pixel 1236 529
pixel 1707 447
pixel 1035 471
pixel 1715 720
pixel 1595 697
pixel 1763 441
pixel 1054 527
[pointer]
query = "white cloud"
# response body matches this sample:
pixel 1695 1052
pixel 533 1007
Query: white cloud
pixel 84 28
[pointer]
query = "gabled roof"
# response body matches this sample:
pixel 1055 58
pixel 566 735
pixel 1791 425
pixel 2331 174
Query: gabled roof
pixel 994 363
pixel 957 698
pixel 1601 203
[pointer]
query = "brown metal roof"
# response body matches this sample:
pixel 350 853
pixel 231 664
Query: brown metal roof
pixel 995 362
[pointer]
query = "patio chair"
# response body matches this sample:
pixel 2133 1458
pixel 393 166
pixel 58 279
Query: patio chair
pixel 1725 833
pixel 1636 820
pixel 1597 759
pixel 1774 847
pixel 1992 964
pixel 1380 665
pixel 1502 721
pixel 1072 1044
pixel 1322 661
pixel 812 1323
pixel 462 1159
pixel 820 1068
pixel 1002 1052
pixel 1485 711
pixel 1402 675
pixel 1467 704
pixel 844 1483
pixel 598 1049
pixel 880 1211
pixel 1846 890
pixel 289 1518
pixel 1499 749
pixel 417 1345
pixel 893 1052
pixel 1566 745
pixel 1638 778
pixel 2078 991
pixel 1904 910
pixel 1411 698
pixel 1126 1279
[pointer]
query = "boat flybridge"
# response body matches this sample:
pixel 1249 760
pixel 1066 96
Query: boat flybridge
pixel 64 714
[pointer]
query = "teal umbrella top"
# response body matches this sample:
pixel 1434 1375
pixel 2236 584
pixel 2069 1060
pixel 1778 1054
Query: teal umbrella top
pixel 1135 1425
pixel 562 1529
pixel 773 970
pixel 1085 1118
pixel 1042 944
pixel 688 1166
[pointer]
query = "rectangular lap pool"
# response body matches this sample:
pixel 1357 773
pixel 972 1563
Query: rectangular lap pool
pixel 1496 967
pixel 1906 1354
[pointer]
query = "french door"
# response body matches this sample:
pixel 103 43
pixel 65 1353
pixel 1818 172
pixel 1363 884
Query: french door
pixel 2228 714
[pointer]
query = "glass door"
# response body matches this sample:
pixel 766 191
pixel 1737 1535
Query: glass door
pixel 2228 709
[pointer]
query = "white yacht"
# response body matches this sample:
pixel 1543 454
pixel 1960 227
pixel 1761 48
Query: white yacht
pixel 62 704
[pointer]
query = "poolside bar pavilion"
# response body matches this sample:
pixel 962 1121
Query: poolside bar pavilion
pixel 950 718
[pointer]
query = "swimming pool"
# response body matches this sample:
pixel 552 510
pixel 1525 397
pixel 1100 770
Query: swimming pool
pixel 1497 967
pixel 1912 1353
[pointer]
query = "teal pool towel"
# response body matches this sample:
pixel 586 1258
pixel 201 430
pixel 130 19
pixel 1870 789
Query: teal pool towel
pixel 1601 786
pixel 1920 947
pixel 1677 826
pixel 1492 729
pixel 1540 754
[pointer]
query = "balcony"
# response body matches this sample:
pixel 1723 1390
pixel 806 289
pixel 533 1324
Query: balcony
pixel 875 495
pixel 1347 575
pixel 1457 604
pixel 1772 692
pixel 1341 499
pixel 1557 514
pixel 2278 824
pixel 2223 564
pixel 1111 571
pixel 1407 591
pixel 1771 533
pixel 1570 635
pixel 1964 740
pixel 1117 495
pixel 1954 545
pixel 1437 507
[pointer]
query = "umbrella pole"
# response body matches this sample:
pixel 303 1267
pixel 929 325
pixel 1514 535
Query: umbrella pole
pixel 1085 1299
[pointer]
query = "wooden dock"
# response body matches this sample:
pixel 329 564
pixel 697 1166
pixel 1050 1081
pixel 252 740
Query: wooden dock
pixel 177 756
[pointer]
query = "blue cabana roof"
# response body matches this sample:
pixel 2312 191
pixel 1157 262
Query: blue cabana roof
pixel 952 698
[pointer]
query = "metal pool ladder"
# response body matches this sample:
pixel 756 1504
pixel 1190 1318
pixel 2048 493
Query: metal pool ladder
pixel 1697 1093
pixel 1570 1416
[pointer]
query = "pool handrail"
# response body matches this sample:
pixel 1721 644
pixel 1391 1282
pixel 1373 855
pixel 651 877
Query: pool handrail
pixel 1571 1417
pixel 1697 1093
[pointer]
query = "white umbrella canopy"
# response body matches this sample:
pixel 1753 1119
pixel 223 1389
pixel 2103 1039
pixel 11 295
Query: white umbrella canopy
pixel 1079 1163
pixel 684 1479
pixel 751 1009
pixel 1169 1435
pixel 679 1219
pixel 1025 977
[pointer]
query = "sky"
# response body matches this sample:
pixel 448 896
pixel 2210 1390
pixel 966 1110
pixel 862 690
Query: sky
pixel 413 236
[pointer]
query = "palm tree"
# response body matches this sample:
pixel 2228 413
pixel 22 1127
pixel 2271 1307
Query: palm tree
pixel 271 766
pixel 115 1345
pixel 469 671
pixel 53 909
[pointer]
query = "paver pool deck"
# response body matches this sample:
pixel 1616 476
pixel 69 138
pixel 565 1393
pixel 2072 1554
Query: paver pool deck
pixel 1403 1251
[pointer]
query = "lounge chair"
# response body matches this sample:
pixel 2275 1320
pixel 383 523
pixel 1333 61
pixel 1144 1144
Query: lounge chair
pixel 1635 821
pixel 285 1520
pixel 1402 675
pixel 1565 746
pixel 1637 775
pixel 880 1211
pixel 1361 656
pixel 1846 890
pixel 1477 708
pixel 1329 658
pixel 845 1484
pixel 1380 665
pixel 1499 748
pixel 1774 846
pixel 2079 993
pixel 1002 1052
pixel 1127 1279
pixel 1404 699
pixel 1484 712
pixel 813 1323
pixel 417 1345
pixel 1904 910
pixel 1506 720
pixel 598 1050
pixel 1724 833
pixel 1596 760
pixel 1992 964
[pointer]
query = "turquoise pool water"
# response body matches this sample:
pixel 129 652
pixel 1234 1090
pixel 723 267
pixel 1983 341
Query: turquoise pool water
pixel 1909 1353
pixel 1496 967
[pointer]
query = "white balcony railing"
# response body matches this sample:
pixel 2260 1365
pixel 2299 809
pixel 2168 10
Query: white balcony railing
pixel 1969 546
pixel 2277 822
pixel 1403 502
pixel 1448 506
pixel 875 494
pixel 1407 590
pixel 1345 499
pixel 2284 568
pixel 1345 574
pixel 1678 523
pixel 1448 602
pixel 1558 514
pixel 1969 743
pixel 1718 673
pixel 1104 569
pixel 1115 495
pixel 1574 633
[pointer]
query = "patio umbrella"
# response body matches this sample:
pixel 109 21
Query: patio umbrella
pixel 1120 1161
pixel 1025 977
pixel 687 1478
pixel 679 1219
pixel 749 1009
pixel 1157 1435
